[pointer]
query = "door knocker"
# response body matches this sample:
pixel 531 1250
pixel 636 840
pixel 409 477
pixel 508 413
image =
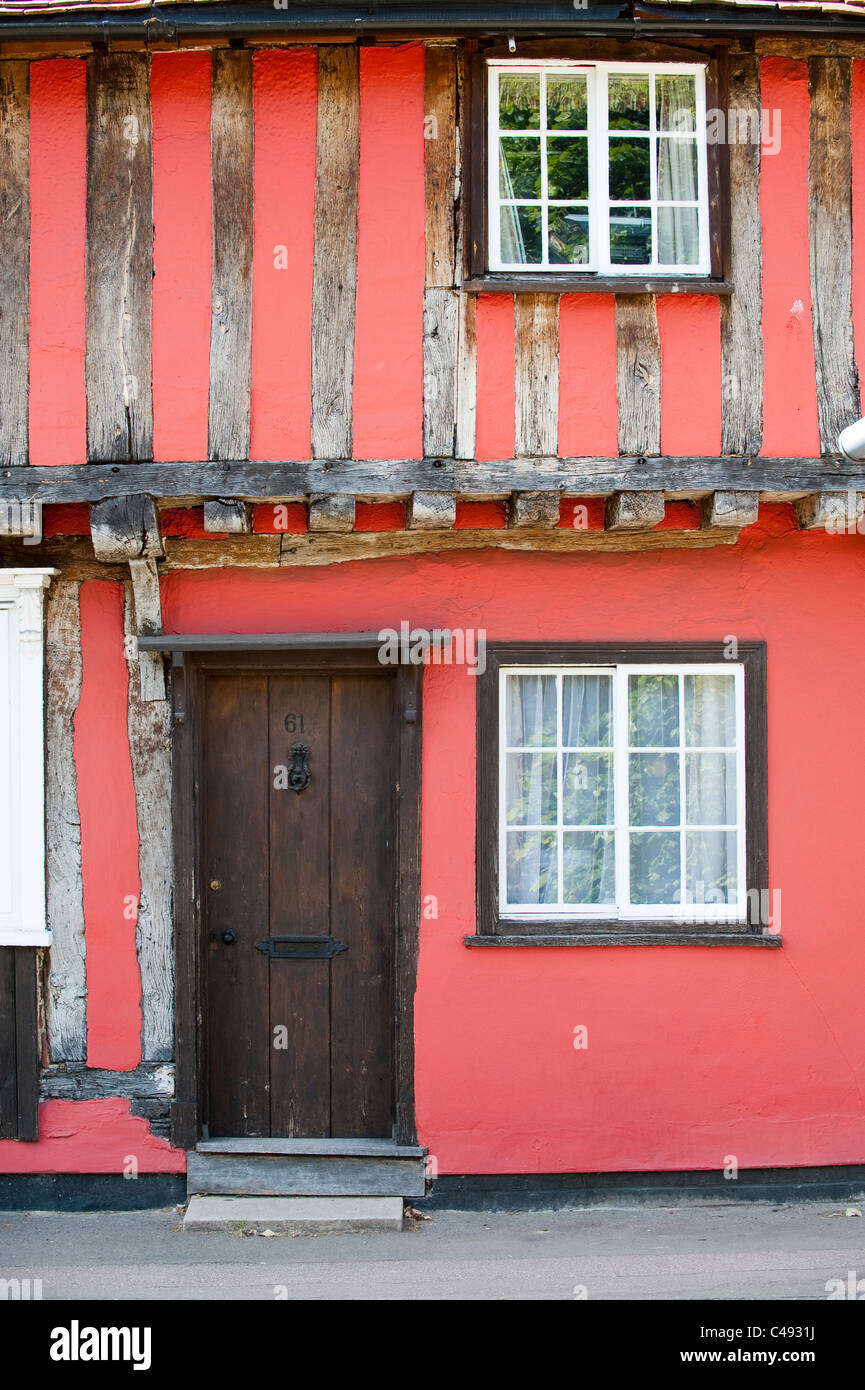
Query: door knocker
pixel 298 773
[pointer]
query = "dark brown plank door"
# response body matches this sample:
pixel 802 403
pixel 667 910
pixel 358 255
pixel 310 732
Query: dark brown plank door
pixel 362 875
pixel 300 906
pixel 235 889
pixel 300 1047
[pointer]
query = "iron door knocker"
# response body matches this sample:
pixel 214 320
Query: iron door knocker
pixel 298 773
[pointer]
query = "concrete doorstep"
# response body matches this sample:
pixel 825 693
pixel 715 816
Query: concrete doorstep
pixel 295 1216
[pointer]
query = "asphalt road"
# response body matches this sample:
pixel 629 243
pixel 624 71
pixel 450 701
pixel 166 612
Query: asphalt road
pixel 691 1252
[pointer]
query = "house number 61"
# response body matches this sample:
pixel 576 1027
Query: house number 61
pixel 294 723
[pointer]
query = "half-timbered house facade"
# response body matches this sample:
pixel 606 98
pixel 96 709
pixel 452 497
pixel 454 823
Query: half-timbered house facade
pixel 430 643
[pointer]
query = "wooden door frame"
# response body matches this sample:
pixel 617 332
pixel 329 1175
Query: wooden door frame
pixel 188 673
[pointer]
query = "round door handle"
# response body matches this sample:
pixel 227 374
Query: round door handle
pixel 229 937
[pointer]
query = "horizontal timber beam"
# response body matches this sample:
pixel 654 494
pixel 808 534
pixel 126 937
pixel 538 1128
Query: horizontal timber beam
pixel 775 479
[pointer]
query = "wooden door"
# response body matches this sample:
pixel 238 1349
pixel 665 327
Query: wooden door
pixel 299 841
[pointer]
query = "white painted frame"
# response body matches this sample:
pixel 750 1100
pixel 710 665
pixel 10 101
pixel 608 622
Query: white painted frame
pixel 22 750
pixel 677 913
pixel 597 81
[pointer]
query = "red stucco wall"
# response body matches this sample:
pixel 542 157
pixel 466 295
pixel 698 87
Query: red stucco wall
pixel 694 1053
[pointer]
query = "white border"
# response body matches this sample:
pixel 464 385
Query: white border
pixel 677 913
pixel 599 262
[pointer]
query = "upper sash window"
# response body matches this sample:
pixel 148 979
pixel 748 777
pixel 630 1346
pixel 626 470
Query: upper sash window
pixel 598 167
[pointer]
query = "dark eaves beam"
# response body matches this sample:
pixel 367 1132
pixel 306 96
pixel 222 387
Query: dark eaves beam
pixel 159 24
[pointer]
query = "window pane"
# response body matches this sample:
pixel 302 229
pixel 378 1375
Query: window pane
pixel 587 789
pixel 676 102
pixel 587 711
pixel 710 866
pixel 710 711
pixel 588 868
pixel 678 236
pixel 655 870
pixel 569 235
pixel 532 869
pixel 710 788
pixel 568 166
pixel 677 170
pixel 630 236
pixel 653 703
pixel 566 102
pixel 519 101
pixel 530 796
pixel 630 168
pixel 654 792
pixel 520 166
pixel 629 103
pixel 520 237
pixel 531 711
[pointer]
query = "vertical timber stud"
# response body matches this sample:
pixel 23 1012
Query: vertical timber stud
pixel 148 623
pixel 67 987
pixel 334 280
pixel 231 137
pixel 638 354
pixel 537 374
pixel 14 263
pixel 441 298
pixel 119 259
pixel 149 729
pixel 742 311
pixel 467 376
pixel 830 200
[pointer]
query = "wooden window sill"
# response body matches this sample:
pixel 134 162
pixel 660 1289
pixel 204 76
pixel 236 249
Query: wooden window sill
pixel 635 937
pixel 508 283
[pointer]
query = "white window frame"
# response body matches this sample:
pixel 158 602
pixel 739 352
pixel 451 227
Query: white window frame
pixel 597 77
pixel 679 913
pixel 22 784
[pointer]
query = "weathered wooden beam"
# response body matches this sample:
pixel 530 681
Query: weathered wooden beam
pixel 692 476
pixel 638 356
pixel 147 622
pixel 125 528
pixel 318 549
pixel 730 509
pixel 227 516
pixel 741 312
pixel 467 376
pixel 537 374
pixel 634 511
pixel 15 259
pixel 334 281
pixel 66 993
pixel 148 721
pixel 440 158
pixel 440 354
pixel 331 512
pixel 119 274
pixel 231 320
pixel 831 246
pixel 431 511
pixel 530 510
pixel 80 1082
pixel 829 511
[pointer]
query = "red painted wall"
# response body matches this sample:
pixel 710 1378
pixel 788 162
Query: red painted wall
pixel 109 833
pixel 58 177
pixel 182 235
pixel 694 1053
